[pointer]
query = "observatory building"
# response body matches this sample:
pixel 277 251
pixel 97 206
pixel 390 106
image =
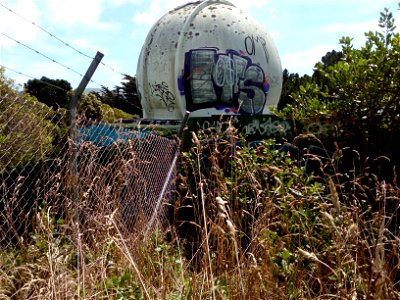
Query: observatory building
pixel 209 58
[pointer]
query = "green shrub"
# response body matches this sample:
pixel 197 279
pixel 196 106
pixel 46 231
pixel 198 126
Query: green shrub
pixel 29 130
pixel 361 94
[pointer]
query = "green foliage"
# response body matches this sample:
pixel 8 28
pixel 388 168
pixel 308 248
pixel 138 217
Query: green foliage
pixel 291 83
pixel 305 238
pixel 29 130
pixel 7 87
pixel 52 92
pixel 122 287
pixel 123 97
pixel 92 108
pixel 329 60
pixel 259 227
pixel 360 92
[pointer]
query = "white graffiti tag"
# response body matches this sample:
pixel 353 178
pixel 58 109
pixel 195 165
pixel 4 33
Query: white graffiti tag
pixel 267 127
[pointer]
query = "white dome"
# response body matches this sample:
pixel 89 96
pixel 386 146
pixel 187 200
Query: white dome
pixel 210 58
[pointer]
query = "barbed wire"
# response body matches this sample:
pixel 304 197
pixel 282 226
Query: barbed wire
pixel 40 53
pixel 49 58
pixel 23 74
pixel 55 86
pixel 58 39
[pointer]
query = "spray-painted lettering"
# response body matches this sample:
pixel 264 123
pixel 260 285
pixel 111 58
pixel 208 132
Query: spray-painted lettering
pixel 216 124
pixel 320 127
pixel 161 90
pixel 250 43
pixel 228 81
pixel 267 127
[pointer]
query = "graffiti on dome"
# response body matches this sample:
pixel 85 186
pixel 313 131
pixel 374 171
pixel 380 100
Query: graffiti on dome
pixel 162 92
pixel 228 81
pixel 251 42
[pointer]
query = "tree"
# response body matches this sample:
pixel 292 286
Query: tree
pixel 52 92
pixel 291 83
pixel 129 90
pixel 328 60
pixel 361 94
pixel 123 97
pixel 29 129
pixel 90 107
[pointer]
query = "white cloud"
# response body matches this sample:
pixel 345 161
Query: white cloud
pixel 76 13
pixel 16 27
pixel 146 18
pixel 248 5
pixel 122 2
pixel 276 35
pixel 326 2
pixel 302 62
pixel 106 76
pixel 156 8
pixel 85 44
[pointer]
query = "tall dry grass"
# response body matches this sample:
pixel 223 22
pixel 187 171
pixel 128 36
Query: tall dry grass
pixel 246 223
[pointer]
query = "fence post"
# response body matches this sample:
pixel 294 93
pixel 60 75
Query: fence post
pixel 74 152
pixel 81 87
pixel 169 175
pixel 73 110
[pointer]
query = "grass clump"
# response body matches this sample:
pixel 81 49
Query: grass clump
pixel 247 222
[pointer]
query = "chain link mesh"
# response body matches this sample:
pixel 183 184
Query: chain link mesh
pixel 106 169
pixel 127 171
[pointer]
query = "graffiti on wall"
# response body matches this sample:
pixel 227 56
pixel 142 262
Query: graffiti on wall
pixel 264 126
pixel 162 92
pixel 267 127
pixel 320 126
pixel 228 81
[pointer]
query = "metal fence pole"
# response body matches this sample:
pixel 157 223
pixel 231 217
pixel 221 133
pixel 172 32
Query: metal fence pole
pixel 169 175
pixel 74 151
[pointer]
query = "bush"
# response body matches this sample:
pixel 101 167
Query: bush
pixel 92 108
pixel 361 94
pixel 29 130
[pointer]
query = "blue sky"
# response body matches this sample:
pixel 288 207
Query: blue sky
pixel 303 31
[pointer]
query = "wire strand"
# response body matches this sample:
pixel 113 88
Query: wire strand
pixel 49 58
pixel 23 74
pixel 57 38
pixel 60 88
pixel 40 53
pixel 45 82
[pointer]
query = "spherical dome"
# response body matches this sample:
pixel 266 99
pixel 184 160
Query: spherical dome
pixel 209 58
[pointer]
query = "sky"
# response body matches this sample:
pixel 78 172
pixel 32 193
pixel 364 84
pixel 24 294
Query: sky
pixel 58 38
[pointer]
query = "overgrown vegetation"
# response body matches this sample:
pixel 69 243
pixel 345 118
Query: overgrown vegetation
pixel 106 105
pixel 359 95
pixel 261 228
pixel 317 218
pixel 20 117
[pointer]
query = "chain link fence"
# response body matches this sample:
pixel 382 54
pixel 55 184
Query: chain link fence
pixel 126 171
pixel 107 169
